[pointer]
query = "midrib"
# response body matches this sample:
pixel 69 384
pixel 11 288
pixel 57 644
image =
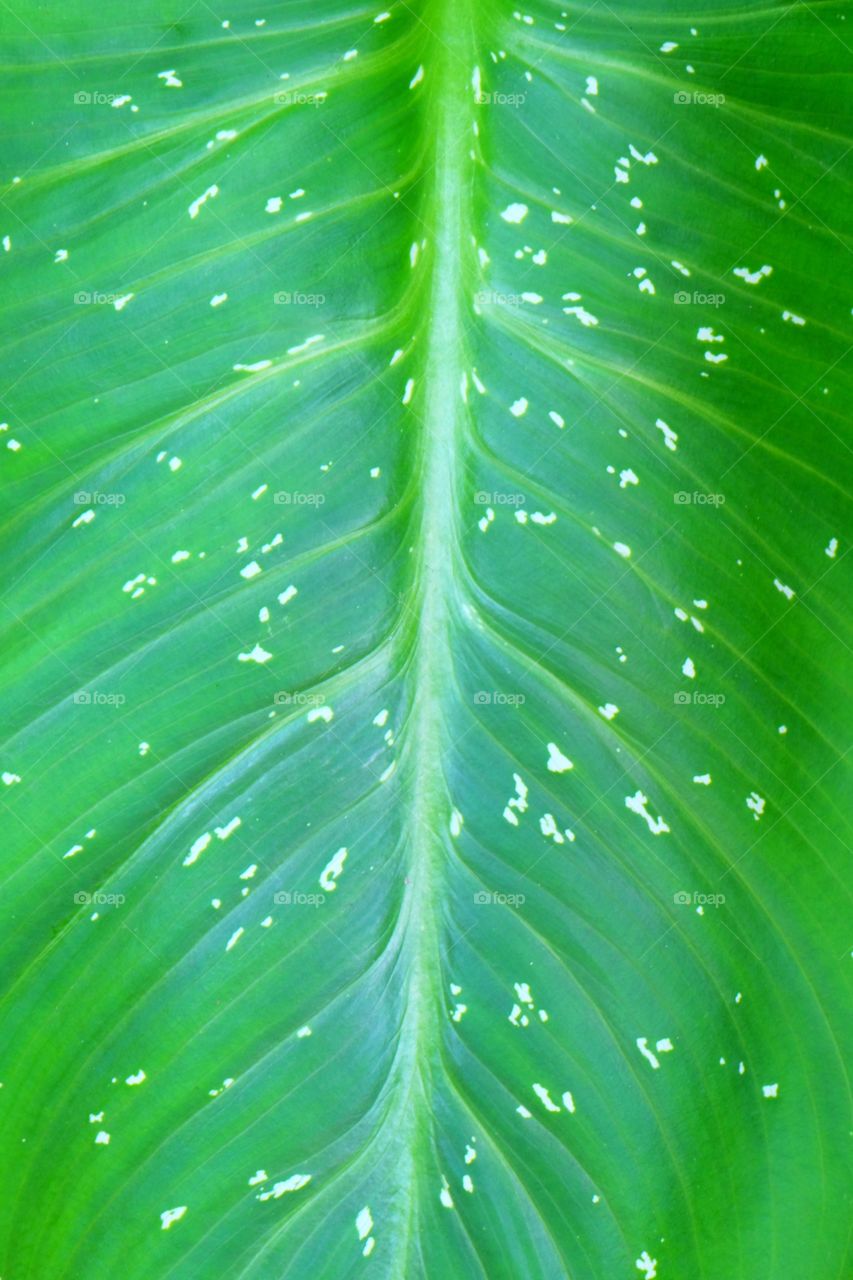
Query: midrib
pixel 441 411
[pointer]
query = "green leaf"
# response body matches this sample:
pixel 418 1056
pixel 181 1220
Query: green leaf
pixel 425 620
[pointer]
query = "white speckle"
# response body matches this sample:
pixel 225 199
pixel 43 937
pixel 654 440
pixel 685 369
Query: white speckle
pixel 542 1093
pixel 832 549
pixel 303 346
pixel 609 710
pixel 557 762
pixel 788 592
pixel 761 162
pixel 235 938
pixel 294 1183
pixel 170 79
pixel 350 54
pixel 519 408
pixel 175 464
pixel 668 46
pixel 569 1102
pixel 273 204
pixel 456 822
pixel 250 570
pixel 10 778
pixel 557 419
pixel 121 303
pixel 622 549
pixel 523 1112
pixel 753 277
pixel 258 654
pixel 627 477
pixel 770 1090
pixel 669 436
pixel 222 833
pixel 287 595
pixel 756 803
pixel 168 1216
pixel 303 1033
pixel 260 1176
pixel 61 255
pixel 444 1195
pixel 417 77
pixel 102 1138
pixel 144 748
pixel 179 556
pixel 137 1078
pixel 643 1045
pixel 320 713
pixel 792 318
pixel 637 804
pixel 202 199
pixel 688 668
pixel 364 1223
pixel 515 213
pixel 333 870
pixel 702 779
pixel 409 391
pixel 257 367
pixel 647 1264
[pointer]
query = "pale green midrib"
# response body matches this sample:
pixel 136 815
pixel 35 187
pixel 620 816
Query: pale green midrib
pixel 440 410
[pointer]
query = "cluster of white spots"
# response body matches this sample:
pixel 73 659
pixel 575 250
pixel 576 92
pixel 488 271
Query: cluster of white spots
pixel 168 1216
pixel 756 803
pixel 257 654
pixel 770 1090
pixel 458 1012
pixel 175 463
pixel 9 779
pixel 587 319
pixel 684 616
pixel 702 779
pixel 333 869
pixel 609 710
pixel 645 1262
pixel 517 803
pixel 364 1226
pixel 792 318
pixel 669 436
pixel 637 803
pixel 326 714
pixel 550 830
pixel 198 846
pixel 170 79
pixel 536 517
pixel 259 1177
pixel 679 266
pixel 256 367
pixel 644 283
pixel 209 194
pixel 486 519
pixel 628 476
pixel 518 1017
pixel 78 848
pixel 662 1046
pixel 515 213
pixel 226 1084
pixel 557 762
pixel 303 346
pixel 134 588
pixel 753 277
pixel 222 135
pixel 144 748
pixel 788 592
pixel 295 1182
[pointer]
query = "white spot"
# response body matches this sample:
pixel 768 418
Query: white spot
pixel 756 803
pixel 637 804
pixel 235 938
pixel 417 77
pixel 332 870
pixel 294 1183
pixel 647 1264
pixel 515 213
pixel 622 549
pixel 542 1093
pixel 202 199
pixel 643 1046
pixel 168 1216
pixel 832 549
pixel 519 408
pixel 770 1090
pixel 325 714
pixel 702 779
pixel 669 436
pixel 609 710
pixel 137 1078
pixel 557 762
pixel 688 668
pixel 258 654
pixel 788 592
